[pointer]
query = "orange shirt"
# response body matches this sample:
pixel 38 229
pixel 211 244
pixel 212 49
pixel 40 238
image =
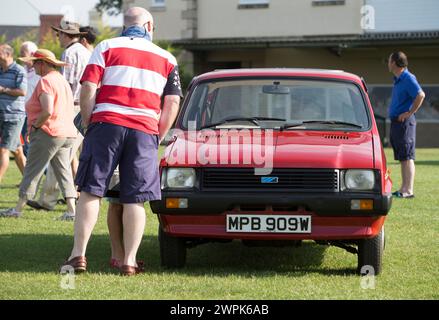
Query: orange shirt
pixel 60 123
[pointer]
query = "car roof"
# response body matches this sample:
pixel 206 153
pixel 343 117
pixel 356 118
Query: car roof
pixel 280 72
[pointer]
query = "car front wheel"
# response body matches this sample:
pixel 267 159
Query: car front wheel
pixel 172 250
pixel 370 254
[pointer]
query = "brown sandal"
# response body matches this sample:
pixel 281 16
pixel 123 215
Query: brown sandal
pixel 115 264
pixel 127 270
pixel 79 264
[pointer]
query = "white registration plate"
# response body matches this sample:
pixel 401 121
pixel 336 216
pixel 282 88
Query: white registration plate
pixel 268 223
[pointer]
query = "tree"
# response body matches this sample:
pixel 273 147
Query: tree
pixel 52 43
pixel 185 75
pixel 105 32
pixel 111 7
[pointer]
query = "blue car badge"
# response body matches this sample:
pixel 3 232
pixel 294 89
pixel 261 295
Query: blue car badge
pixel 269 179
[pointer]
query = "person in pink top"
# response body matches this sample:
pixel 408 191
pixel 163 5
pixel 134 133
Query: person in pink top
pixel 51 132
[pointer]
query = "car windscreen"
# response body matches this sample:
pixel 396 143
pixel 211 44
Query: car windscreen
pixel 277 103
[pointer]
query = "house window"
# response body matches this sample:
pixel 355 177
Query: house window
pixel 157 3
pixel 251 4
pixel 319 3
pixel 253 1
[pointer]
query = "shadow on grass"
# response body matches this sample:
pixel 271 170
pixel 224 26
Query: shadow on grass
pixel 417 162
pixel 7 204
pixel 235 258
pixel 426 163
pixel 43 253
pixel 12 204
pixel 9 186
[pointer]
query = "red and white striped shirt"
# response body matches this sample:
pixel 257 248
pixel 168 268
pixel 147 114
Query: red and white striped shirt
pixel 133 74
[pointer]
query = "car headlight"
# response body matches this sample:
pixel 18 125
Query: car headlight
pixel 179 178
pixel 359 179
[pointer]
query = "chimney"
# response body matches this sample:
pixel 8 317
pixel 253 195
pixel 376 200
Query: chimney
pixel 46 21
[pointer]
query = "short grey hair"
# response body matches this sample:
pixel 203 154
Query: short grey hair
pixel 136 16
pixel 30 46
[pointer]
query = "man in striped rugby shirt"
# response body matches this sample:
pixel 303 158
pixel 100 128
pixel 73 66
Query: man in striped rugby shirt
pixel 126 122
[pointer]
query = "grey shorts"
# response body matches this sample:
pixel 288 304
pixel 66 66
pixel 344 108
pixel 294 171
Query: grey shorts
pixel 10 131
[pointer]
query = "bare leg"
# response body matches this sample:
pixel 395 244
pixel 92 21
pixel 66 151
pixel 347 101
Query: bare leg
pixel 133 227
pixel 4 162
pixel 115 228
pixel 74 154
pixel 408 176
pixel 403 178
pixel 20 159
pixel 86 218
pixel 75 164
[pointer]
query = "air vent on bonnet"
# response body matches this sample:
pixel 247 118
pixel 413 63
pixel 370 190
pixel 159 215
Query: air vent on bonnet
pixel 335 137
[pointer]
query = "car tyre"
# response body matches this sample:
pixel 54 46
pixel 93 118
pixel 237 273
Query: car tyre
pixel 370 254
pixel 172 250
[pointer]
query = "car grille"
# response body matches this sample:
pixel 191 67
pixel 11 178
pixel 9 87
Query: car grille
pixel 319 180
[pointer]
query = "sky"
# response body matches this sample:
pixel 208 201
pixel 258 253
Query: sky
pixel 27 12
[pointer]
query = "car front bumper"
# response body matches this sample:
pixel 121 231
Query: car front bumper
pixel 323 228
pixel 325 204
pixel 332 217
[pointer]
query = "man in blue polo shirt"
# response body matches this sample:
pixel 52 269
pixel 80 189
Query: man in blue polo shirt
pixel 407 97
pixel 13 85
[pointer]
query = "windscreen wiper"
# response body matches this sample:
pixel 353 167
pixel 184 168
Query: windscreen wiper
pixel 268 119
pixel 292 125
pixel 254 120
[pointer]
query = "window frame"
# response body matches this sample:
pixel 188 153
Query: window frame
pixel 253 4
pixel 158 3
pixel 250 2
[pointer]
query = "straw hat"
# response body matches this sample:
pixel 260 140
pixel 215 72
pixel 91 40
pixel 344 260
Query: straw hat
pixel 45 55
pixel 69 27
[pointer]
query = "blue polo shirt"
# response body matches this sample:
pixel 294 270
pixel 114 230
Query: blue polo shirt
pixel 405 90
pixel 12 108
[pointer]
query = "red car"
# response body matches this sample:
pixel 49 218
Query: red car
pixel 275 156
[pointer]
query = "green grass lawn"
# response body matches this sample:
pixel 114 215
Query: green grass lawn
pixel 32 248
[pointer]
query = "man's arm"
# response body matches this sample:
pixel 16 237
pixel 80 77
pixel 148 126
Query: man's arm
pixel 416 105
pixel 46 102
pixel 87 101
pixel 170 109
pixel 13 92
